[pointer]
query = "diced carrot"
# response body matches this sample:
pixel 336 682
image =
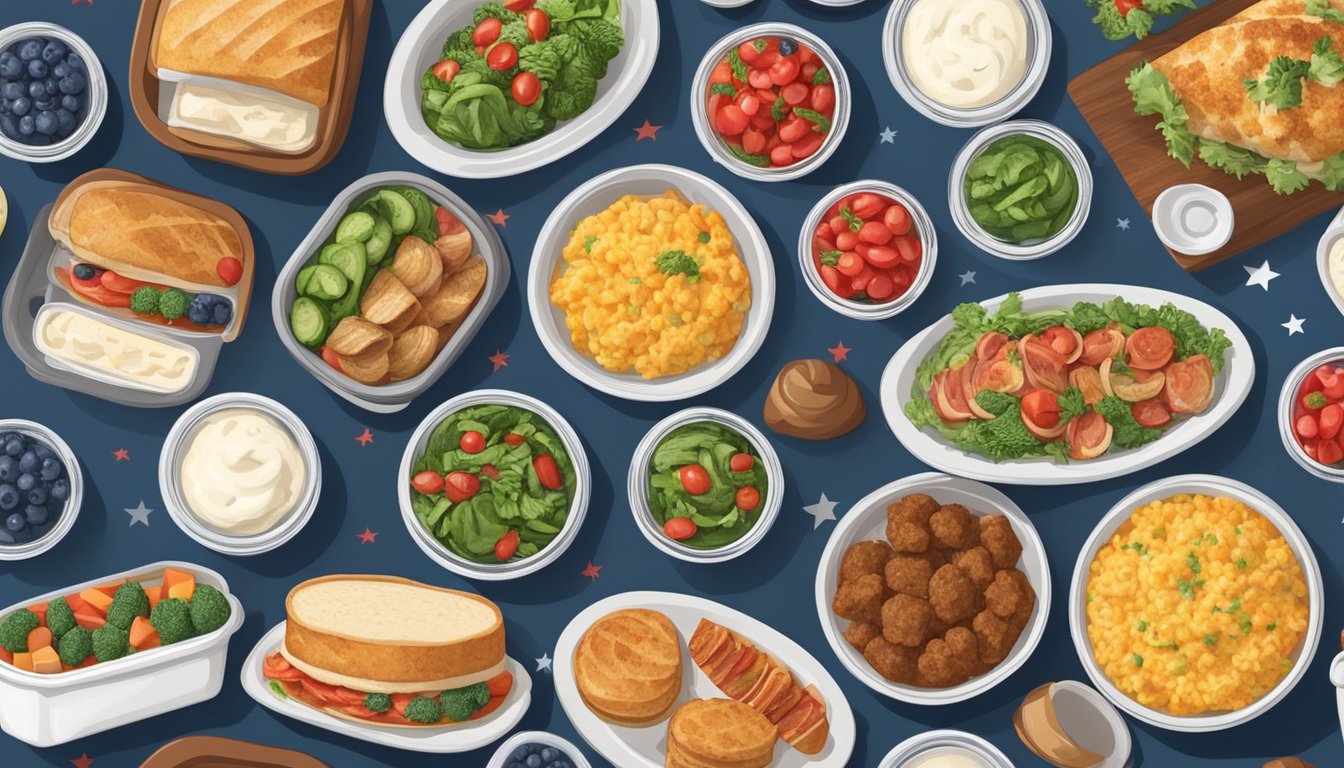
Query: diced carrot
pixel 24 661
pixel 155 595
pixel 97 600
pixel 151 642
pixel 500 684
pixel 89 662
pixel 46 661
pixel 179 583
pixel 39 638
pixel 75 602
pixel 142 633
pixel 41 610
pixel 89 619
pixel 110 589
pixel 6 656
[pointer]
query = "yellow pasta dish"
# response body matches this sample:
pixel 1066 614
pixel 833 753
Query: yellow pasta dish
pixel 654 285
pixel 1196 605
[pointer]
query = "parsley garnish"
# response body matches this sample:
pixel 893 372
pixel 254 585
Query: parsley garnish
pixel 819 122
pixel 822 77
pixel 747 157
pixel 1322 9
pixel 1210 639
pixel 723 89
pixel 777 109
pixel 1143 625
pixel 1138 660
pixel 855 223
pixel 588 243
pixel 739 68
pixel 1281 86
pixel 830 258
pixel 759 44
pixel 1186 589
pixel 678 263
pixel 703 237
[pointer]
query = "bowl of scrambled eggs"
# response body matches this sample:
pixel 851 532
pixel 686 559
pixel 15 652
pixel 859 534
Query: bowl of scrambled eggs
pixel 651 283
pixel 1196 604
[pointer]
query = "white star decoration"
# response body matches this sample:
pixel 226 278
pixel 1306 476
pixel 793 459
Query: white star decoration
pixel 1294 324
pixel 1122 224
pixel 967 277
pixel 821 511
pixel 139 514
pixel 544 663
pixel 888 136
pixel 1260 275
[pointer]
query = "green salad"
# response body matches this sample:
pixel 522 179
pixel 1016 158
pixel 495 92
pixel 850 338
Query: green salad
pixel 519 69
pixel 706 485
pixel 1020 188
pixel 494 484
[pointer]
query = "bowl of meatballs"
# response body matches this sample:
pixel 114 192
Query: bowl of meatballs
pixel 933 589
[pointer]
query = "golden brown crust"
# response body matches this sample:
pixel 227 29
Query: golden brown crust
pixel 628 666
pixel 719 732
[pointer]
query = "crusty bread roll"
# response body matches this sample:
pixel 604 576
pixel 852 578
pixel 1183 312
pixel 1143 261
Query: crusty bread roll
pixel 628 667
pixel 719 733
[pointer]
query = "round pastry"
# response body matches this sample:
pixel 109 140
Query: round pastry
pixel 628 667
pixel 814 400
pixel 719 733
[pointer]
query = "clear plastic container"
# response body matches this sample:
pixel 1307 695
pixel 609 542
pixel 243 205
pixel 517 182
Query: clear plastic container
pixel 96 107
pixel 66 520
pixel 1288 398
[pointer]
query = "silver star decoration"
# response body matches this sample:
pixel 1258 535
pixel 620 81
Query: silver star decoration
pixel 888 136
pixel 821 511
pixel 139 514
pixel 1122 224
pixel 1294 324
pixel 967 277
pixel 544 663
pixel 1260 275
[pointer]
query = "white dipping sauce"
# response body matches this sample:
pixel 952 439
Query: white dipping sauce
pixel 242 472
pixel 965 53
pixel 1336 262
pixel 946 757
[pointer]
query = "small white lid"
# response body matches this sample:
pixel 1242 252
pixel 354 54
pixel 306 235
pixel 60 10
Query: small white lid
pixel 1193 219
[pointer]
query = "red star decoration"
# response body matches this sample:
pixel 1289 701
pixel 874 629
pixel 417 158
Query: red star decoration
pixel 840 351
pixel 83 761
pixel 500 360
pixel 77 2
pixel 499 217
pixel 592 571
pixel 122 454
pixel 367 537
pixel 646 131
pixel 365 438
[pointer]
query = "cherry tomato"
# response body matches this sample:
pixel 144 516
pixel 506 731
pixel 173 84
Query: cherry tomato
pixel 1332 381
pixel 806 55
pixel 747 52
pixel 836 282
pixel 459 486
pixel 526 88
pixel 506 546
pixel 849 263
pixel 514 439
pixel 1041 407
pixel 809 70
pixel 838 224
pixel 753 141
pixel 731 120
pixel 807 145
pixel 490 471
pixel 883 257
pixel 517 6
pixel 1329 452
pixel 793 128
pixel 875 232
pixel 823 99
pixel 538 24
pixel 782 155
pixel 680 528
pixel 880 288
pixel 847 239
pixel 501 56
pixel 757 78
pixel 1150 413
pixel 118 284
pixel 694 479
pixel 722 73
pixel 471 442
pixel 230 270
pixel 427 482
pixel 1309 447
pixel 1307 427
pixel 764 122
pixel 486 32
pixel 748 102
pixel 332 359
pixel 860 281
pixel 794 94
pixel 446 70
pixel 741 462
pixel 747 498
pixel 1125 6
pixel 1332 416
pixel 866 205
pixel 548 472
pixel 767 58
pixel 783 72
pixel 897 219
pixel 909 247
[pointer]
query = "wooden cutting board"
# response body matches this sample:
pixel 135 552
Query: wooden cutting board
pixel 1139 152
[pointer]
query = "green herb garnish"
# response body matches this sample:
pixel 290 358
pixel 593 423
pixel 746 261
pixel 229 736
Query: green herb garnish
pixel 678 263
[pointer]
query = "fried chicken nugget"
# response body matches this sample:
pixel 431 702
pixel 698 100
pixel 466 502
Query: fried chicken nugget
pixel 860 599
pixel 908 522
pixel 910 574
pixel 953 595
pixel 994 636
pixel 907 621
pixel 976 563
pixel 996 534
pixel 1010 597
pixel 951 659
pixel 894 662
pixel 860 633
pixel 864 557
pixel 954 527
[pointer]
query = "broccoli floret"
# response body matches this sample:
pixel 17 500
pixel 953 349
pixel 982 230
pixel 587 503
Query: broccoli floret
pixel 75 646
pixel 541 59
pixel 110 643
pixel 14 632
pixel 377 702
pixel 1005 436
pixel 493 11
pixel 423 709
pixel 1126 430
pixel 209 609
pixel 995 402
pixel 459 42
pixel 171 618
pixel 145 300
pixel 602 38
pixel 173 304
pixel 128 602
pixel 515 32
pixel 460 704
pixel 60 619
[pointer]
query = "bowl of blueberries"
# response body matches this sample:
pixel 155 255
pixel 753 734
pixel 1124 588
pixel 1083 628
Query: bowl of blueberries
pixel 538 749
pixel 40 489
pixel 53 93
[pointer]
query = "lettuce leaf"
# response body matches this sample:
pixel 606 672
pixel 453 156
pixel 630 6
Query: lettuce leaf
pixel 1284 176
pixel 1322 9
pixel 1281 86
pixel 1232 159
pixel 1153 95
pixel 1326 67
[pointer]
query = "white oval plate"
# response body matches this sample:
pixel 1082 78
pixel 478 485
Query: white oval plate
pixel 868 520
pixel 594 196
pixel 440 739
pixel 1332 233
pixel 1232 385
pixel 647 747
pixel 420 46
pixel 1209 485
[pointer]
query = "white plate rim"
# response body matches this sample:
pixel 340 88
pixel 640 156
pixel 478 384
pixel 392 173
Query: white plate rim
pixel 1333 232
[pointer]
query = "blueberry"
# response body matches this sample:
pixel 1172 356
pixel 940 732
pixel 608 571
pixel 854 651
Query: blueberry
pixel 85 271
pixel 514 764
pixel 9 497
pixel 550 754
pixel 42 451
pixel 21 106
pixel 30 49
pixel 73 84
pixel 51 469
pixel 60 70
pixel 9 126
pixel 15 522
pixel 11 67
pixel 520 753
pixel 46 123
pixel 38 496
pixel 4 107
pixel 51 85
pixel 26 482
pixel 7 538
pixel 14 446
pixel 60 490
pixel 29 462
pixel 9 469
pixel 37 69
pixel 70 104
pixel 12 91
pixel 75 61
pixel 45 104
pixel 787 47
pixel 221 313
pixel 54 52
pixel 35 514
pixel 198 313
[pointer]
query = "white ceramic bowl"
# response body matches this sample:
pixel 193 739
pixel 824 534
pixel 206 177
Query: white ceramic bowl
pixel 867 520
pixel 1209 485
pixel 512 569
pixel 637 486
pixel 1333 234
pixel 726 3
pixel 594 196
pixel 69 512
pixel 1288 398
pixel 96 94
pixel 1039 43
pixel 718 148
pixel 945 741
pixel 857 309
pixel 1031 249
pixel 174 450
pixel 501 757
pixel 419 48
pixel 1193 219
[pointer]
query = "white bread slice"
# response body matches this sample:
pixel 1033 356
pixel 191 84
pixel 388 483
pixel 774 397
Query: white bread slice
pixel 383 634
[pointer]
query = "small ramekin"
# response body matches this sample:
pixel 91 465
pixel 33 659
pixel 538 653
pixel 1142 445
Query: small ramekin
pixel 501 756
pixel 72 504
pixel 96 90
pixel 930 742
pixel 1288 397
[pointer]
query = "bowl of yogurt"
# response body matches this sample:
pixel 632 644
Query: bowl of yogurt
pixel 966 63
pixel 240 473
pixel 945 749
pixel 1330 260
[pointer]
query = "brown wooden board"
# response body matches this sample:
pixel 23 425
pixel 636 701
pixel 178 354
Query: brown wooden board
pixel 334 119
pixel 1138 150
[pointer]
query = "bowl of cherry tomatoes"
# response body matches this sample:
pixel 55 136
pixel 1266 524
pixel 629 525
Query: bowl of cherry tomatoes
pixel 770 102
pixel 1311 414
pixel 868 250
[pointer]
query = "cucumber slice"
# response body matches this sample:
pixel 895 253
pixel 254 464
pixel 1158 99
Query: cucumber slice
pixel 309 322
pixel 357 226
pixel 379 244
pixel 350 258
pixel 400 212
pixel 327 283
pixel 424 209
pixel 301 281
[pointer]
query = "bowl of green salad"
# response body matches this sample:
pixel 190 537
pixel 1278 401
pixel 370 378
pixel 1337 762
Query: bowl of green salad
pixel 1020 190
pixel 494 485
pixel 705 485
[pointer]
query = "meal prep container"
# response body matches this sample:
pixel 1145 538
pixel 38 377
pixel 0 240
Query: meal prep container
pixel 868 520
pixel 857 309
pixel 389 398
pixel 170 475
pixel 718 148
pixel 520 738
pixel 593 197
pixel 96 90
pixel 217 752
pixel 1033 249
pixel 638 486
pixel 1209 485
pixel 420 47
pixel 333 122
pixel 73 473
pixel 957 742
pixel 1288 398
pixel 1333 234
pixel 34 289
pixel 1039 42
pixel 46 710
pixel 507 570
